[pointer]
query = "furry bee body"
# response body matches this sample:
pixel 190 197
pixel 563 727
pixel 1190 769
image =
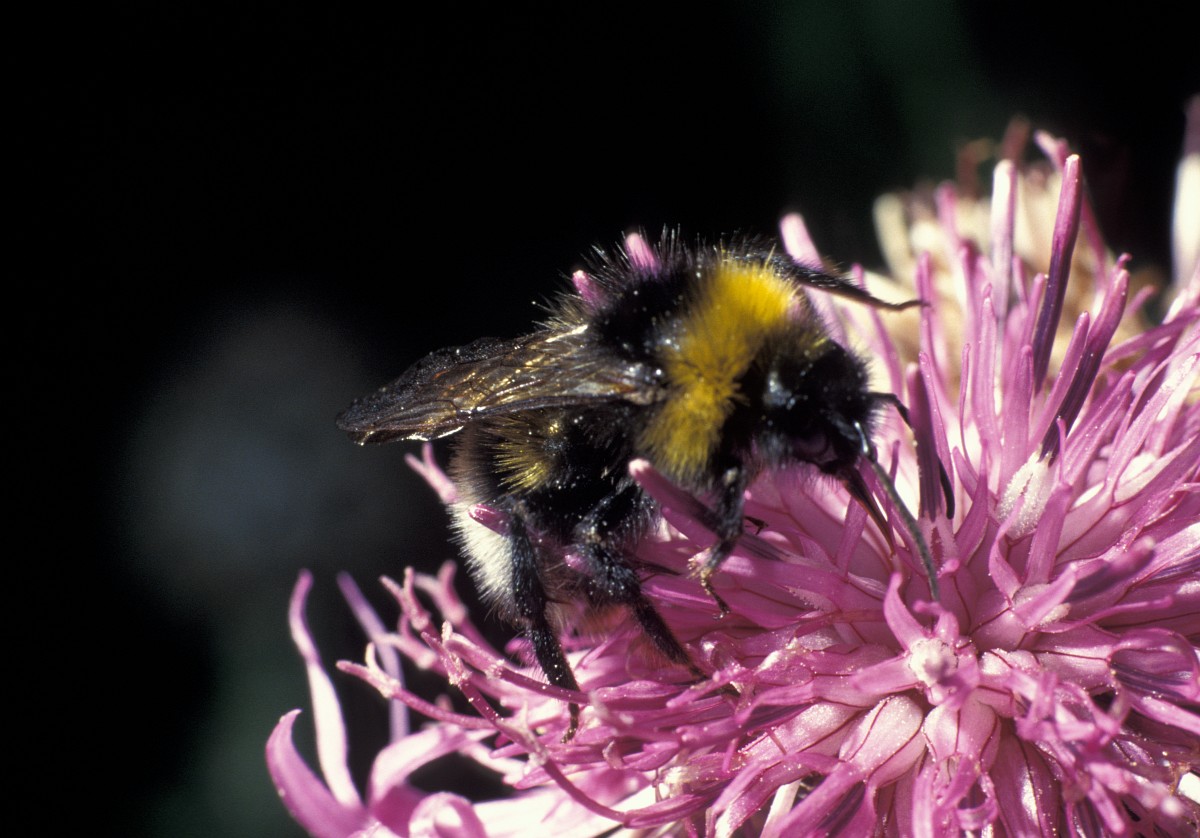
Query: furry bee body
pixel 709 362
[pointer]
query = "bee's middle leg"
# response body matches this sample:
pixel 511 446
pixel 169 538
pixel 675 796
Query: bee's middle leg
pixel 614 581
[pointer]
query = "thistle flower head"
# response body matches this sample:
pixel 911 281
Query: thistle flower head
pixel 1052 688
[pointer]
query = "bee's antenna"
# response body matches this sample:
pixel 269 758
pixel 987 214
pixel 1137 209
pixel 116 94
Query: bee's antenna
pixel 906 517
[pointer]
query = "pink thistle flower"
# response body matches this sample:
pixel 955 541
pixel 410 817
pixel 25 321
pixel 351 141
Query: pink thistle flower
pixel 1054 688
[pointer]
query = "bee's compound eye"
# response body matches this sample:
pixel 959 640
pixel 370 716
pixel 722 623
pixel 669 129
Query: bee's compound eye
pixel 813 449
pixel 813 401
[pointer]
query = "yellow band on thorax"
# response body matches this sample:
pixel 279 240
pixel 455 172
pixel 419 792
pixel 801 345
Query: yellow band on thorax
pixel 735 310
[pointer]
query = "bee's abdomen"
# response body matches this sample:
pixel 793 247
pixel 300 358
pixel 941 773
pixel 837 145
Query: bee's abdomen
pixel 559 464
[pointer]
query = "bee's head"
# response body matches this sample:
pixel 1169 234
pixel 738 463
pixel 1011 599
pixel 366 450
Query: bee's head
pixel 816 408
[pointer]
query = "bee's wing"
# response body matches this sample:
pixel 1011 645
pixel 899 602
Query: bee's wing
pixel 452 387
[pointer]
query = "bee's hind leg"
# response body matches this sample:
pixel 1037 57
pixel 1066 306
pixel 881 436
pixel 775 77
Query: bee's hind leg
pixel 532 602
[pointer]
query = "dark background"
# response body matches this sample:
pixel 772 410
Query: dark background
pixel 239 219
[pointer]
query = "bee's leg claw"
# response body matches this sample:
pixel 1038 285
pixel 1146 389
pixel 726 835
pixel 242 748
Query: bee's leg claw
pixel 728 523
pixel 706 583
pixel 573 727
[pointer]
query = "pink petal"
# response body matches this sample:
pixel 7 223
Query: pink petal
pixel 304 795
pixel 327 713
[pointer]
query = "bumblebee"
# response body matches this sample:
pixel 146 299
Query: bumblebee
pixel 708 361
